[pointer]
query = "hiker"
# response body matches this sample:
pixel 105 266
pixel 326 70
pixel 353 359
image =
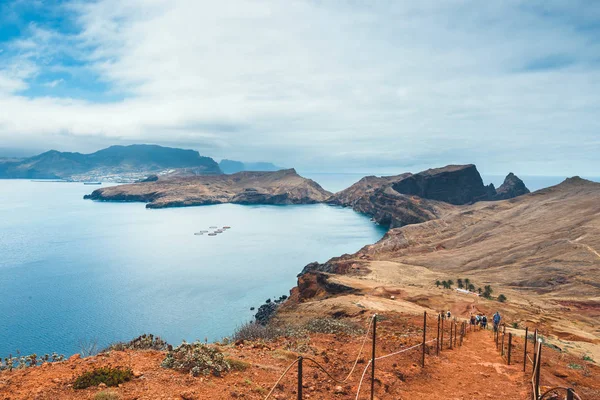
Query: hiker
pixel 448 314
pixel 472 320
pixel 477 319
pixel 496 319
pixel 484 321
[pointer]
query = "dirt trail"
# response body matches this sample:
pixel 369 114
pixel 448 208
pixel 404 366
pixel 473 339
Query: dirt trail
pixel 474 371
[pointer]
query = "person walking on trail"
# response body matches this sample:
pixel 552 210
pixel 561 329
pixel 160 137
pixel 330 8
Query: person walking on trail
pixel 472 319
pixel 448 314
pixel 496 319
pixel 484 321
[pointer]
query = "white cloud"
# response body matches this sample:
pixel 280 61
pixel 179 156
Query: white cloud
pixel 324 84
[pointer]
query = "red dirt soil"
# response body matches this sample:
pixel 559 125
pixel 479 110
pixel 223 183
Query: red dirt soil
pixel 473 371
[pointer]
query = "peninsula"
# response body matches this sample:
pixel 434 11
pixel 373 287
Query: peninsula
pixel 278 187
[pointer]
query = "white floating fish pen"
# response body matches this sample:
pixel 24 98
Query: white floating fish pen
pixel 212 234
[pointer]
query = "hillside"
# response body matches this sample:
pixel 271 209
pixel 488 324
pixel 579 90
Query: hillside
pixel 280 187
pixel 539 249
pixel 115 160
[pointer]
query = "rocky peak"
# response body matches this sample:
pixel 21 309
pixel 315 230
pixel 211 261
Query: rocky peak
pixel 512 187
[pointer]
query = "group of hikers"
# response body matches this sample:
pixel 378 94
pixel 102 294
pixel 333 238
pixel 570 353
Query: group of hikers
pixel 479 319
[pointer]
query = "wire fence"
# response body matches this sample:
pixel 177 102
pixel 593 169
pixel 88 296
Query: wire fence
pixel 457 331
pixel 507 348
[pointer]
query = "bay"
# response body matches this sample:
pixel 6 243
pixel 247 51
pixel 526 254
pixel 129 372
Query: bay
pixel 73 270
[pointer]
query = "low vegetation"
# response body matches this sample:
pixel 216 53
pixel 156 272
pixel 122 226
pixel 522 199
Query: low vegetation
pixel 254 331
pixel 196 359
pixel 143 342
pixel 32 360
pixel 466 284
pixel 108 376
pixel 107 395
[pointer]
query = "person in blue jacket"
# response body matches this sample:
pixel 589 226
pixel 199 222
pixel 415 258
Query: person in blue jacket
pixel 496 320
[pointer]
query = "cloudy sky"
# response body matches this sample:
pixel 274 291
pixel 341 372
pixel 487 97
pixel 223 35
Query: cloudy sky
pixel 385 85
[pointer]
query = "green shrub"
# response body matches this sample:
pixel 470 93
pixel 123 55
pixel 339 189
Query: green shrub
pixel 587 358
pixel 237 365
pixel 108 376
pixel 144 342
pixel 106 395
pixel 255 331
pixel 197 359
pixel 575 366
pixel 502 298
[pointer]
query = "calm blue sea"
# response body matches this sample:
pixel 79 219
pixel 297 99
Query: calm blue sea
pixel 74 270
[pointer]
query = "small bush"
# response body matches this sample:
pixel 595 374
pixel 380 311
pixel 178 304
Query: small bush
pixel 32 360
pixel 106 395
pixel 144 342
pixel 197 359
pixel 575 366
pixel 502 298
pixel 255 331
pixel 515 325
pixel 108 376
pixel 237 365
pixel 587 358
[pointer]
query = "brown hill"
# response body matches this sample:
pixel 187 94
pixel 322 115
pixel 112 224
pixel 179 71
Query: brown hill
pixel 541 250
pixel 279 187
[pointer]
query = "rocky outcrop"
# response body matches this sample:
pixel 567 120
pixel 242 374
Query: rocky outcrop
pixel 512 187
pixel 400 200
pixel 280 187
pixel 454 184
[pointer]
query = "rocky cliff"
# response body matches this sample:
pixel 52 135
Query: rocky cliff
pixel 454 184
pixel 279 187
pixel 406 199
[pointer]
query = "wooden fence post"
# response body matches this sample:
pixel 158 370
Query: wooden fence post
pixel 442 335
pixel 525 351
pixel 424 335
pixel 539 367
pixel 503 334
pixel 373 357
pixel 535 335
pixel 450 344
pixel 570 394
pixel 509 347
pixel 300 378
pixel 437 342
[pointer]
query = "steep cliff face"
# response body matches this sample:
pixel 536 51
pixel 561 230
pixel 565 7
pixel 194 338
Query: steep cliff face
pixel 406 199
pixel 454 184
pixel 280 187
pixel 512 187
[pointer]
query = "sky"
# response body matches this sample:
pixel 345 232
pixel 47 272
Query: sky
pixel 320 85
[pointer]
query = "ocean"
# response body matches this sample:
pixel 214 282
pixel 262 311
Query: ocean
pixel 74 271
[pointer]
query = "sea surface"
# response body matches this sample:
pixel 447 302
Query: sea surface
pixel 75 271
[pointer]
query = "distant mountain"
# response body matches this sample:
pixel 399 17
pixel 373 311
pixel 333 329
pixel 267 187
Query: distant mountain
pixel 135 159
pixel 232 167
